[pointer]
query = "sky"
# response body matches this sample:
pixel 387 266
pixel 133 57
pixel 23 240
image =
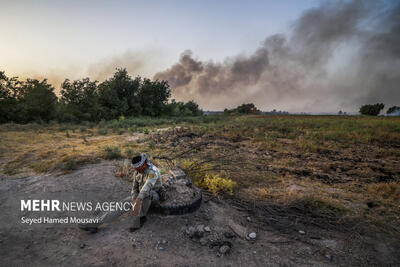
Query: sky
pixel 242 51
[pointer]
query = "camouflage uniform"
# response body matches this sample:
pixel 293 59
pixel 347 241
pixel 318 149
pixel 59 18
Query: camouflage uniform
pixel 146 186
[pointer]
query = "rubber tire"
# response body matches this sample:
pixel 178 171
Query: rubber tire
pixel 181 209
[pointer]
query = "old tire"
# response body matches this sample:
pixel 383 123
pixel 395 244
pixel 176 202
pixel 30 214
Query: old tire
pixel 180 209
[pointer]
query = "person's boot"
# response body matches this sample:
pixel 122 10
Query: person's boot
pixel 142 220
pixel 135 224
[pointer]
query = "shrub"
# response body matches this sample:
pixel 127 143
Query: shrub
pixel 372 110
pixel 102 131
pixel 393 110
pixel 112 152
pixel 216 184
pixel 69 164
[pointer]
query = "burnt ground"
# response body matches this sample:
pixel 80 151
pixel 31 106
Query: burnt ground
pixel 283 238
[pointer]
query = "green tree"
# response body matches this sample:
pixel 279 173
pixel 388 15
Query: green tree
pixel 118 95
pixel 37 101
pixel 247 109
pixel 372 110
pixel 194 108
pixel 8 100
pixel 394 109
pixel 79 100
pixel 153 97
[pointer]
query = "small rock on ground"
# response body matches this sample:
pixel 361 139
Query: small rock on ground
pixel 224 249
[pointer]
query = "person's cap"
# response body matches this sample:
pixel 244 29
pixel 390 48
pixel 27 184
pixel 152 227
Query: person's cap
pixel 138 160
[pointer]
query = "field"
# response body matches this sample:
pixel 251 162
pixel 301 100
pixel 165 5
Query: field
pixel 336 173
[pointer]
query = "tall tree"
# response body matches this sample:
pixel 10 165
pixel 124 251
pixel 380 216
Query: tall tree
pixel 153 97
pixel 79 99
pixel 118 95
pixel 36 101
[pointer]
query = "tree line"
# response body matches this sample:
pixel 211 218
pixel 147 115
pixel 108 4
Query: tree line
pixel 31 100
pixel 375 109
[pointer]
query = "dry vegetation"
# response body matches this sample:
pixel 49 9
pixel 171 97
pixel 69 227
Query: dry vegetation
pixel 329 167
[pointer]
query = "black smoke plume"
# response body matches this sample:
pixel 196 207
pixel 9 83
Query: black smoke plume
pixel 336 56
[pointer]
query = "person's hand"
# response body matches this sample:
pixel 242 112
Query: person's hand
pixel 137 205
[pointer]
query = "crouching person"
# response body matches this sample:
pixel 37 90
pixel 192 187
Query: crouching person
pixel 145 189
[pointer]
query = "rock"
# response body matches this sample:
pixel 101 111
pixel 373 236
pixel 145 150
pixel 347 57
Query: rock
pixel 252 235
pixel 203 241
pixel 160 248
pixel 248 219
pixel 330 243
pixel 199 232
pixel 224 249
pixel 302 232
pixel 207 229
pixel 229 234
pixel 328 256
pixel 82 245
pixel 238 229
pixel 190 231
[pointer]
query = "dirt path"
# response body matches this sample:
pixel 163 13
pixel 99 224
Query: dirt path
pixel 164 240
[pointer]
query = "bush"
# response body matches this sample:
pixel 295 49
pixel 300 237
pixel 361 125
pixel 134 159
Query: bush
pixel 69 165
pixel 216 184
pixel 112 152
pixel 102 131
pixel 393 110
pixel 372 110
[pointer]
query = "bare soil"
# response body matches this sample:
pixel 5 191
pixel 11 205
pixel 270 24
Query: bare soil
pixel 163 240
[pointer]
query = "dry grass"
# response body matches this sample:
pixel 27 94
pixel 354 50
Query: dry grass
pixel 31 151
pixel 328 165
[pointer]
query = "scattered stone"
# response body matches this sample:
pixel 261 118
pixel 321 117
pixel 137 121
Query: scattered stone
pixel 160 248
pixel 190 231
pixel 203 241
pixel 207 229
pixel 302 232
pixel 248 219
pixel 199 232
pixel 164 241
pixel 218 254
pixel 229 234
pixel 224 249
pixel 83 245
pixel 330 243
pixel 252 235
pixel 328 256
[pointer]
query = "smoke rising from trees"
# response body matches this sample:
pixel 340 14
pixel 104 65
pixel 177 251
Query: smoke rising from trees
pixel 337 56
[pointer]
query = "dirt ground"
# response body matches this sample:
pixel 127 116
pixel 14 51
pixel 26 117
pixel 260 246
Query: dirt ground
pixel 165 240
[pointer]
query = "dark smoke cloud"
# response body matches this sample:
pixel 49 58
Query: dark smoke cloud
pixel 300 71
